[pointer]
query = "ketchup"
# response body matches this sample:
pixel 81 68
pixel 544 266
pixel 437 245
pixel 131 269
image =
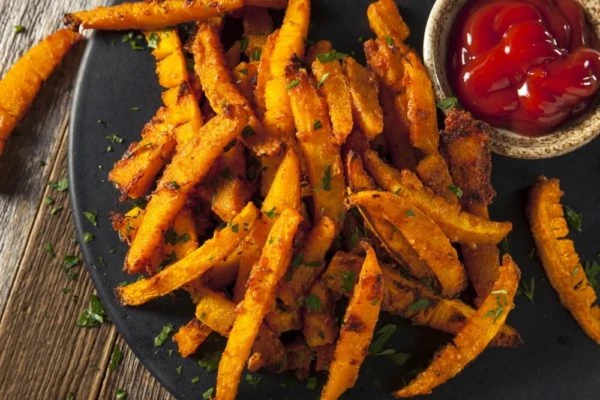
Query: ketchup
pixel 525 65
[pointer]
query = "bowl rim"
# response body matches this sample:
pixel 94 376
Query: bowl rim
pixel 566 138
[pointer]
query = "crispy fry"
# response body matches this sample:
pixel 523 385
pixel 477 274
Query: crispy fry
pixel 257 301
pixel 186 170
pixel 357 329
pixel 324 164
pixel 433 172
pixel 149 15
pixel 410 299
pixel 332 83
pixel 245 74
pixel 22 82
pixel 308 263
pixel 319 47
pixel 290 42
pixel 281 321
pixel 358 179
pixel 465 145
pixel 364 92
pixel 257 27
pixel 126 224
pixel 396 133
pixel 182 238
pixel 264 73
pixel 559 258
pixel 190 336
pixel 224 273
pixel 386 22
pixel 413 239
pixel 459 226
pixel 386 62
pixel 319 327
pixel 193 265
pixel 474 336
pixel 233 54
pixel 220 90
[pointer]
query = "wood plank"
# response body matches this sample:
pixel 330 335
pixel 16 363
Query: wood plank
pixel 30 153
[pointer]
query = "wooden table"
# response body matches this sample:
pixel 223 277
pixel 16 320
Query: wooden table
pixel 43 354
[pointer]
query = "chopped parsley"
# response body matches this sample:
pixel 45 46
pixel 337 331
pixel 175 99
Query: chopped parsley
pixel 92 217
pixel 312 303
pixel 195 379
pixel 235 228
pixel 178 369
pixel 348 279
pixel 164 334
pixel 20 28
pixel 208 394
pixel 531 253
pixel 115 358
pixel 153 40
pixel 109 149
pixel 88 237
pixel 323 80
pixel 592 270
pixel 456 190
pixel 447 103
pixel 400 358
pixel 243 43
pixel 93 316
pixel 70 261
pixel 210 362
pixel 134 40
pixel 418 305
pixel 501 304
pixel 293 84
pixel 390 41
pixel 120 394
pixel 171 237
pixel 60 186
pixel 70 396
pixel 271 213
pixel 409 213
pixel 253 379
pixel 114 138
pixel 49 200
pixel 331 56
pixel 383 335
pixel 317 125
pixel 255 55
pixel 528 289
pixel 574 219
pixel 326 179
pixel 505 246
pixel 56 210
pixel 172 185
pixel 49 249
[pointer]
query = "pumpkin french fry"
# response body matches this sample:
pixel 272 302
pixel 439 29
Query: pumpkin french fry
pixel 22 82
pixel 259 297
pixel 149 15
pixel 190 336
pixel 386 22
pixel 319 328
pixel 474 337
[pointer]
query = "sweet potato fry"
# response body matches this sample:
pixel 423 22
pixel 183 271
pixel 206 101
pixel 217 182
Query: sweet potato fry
pixel 283 320
pixel 232 192
pixel 186 170
pixel 393 219
pixel 474 336
pixel 307 264
pixel 386 22
pixel 396 133
pixel 257 27
pixel 559 258
pixel 264 73
pixel 364 92
pixel 181 239
pixel 150 15
pixel 126 224
pixel 221 92
pixel 257 301
pixel 245 75
pixel 290 42
pixel 324 164
pixel 190 336
pixel 332 83
pixel 410 299
pixel 458 225
pixel 193 265
pixel 22 82
pixel 319 47
pixel 319 327
pixel 358 179
pixel 357 329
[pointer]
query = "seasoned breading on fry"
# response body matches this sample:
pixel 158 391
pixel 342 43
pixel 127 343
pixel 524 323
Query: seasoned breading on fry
pixel 412 239
pixel 465 145
pixel 322 155
pixel 193 266
pixel 386 22
pixel 458 225
pixel 473 337
pixel 190 337
pixel 182 238
pixel 22 82
pixel 264 73
pixel 357 328
pixel 364 93
pixel 188 168
pixel 258 300
pixel 396 133
pixel 245 75
pixel 150 15
pixel 126 224
pixel 290 43
pixel 221 92
pixel 410 299
pixel 358 179
pixel 559 258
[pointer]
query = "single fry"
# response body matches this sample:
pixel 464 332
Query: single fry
pixel 410 299
pixel 357 177
pixel 126 224
pixel 232 192
pixel 559 258
pixel 403 228
pixel 264 73
pixel 188 168
pixel 357 329
pixel 257 301
pixel 22 82
pixel 193 266
pixel 458 225
pixel 182 238
pixel 149 15
pixel 364 92
pixel 396 133
pixel 190 337
pixel 320 327
pixel 324 164
pixel 474 337
pixel 386 22
pixel 290 42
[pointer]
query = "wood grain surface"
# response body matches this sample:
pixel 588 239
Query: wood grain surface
pixel 44 355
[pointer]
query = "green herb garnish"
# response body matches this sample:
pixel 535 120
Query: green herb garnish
pixel 456 190
pixel 20 29
pixel 348 279
pixel 574 219
pixel 88 237
pixel 312 303
pixel 323 80
pixel 115 358
pixel 153 40
pixel 528 289
pixel 383 335
pixel 164 334
pixel 331 56
pixel 293 84
pixel 92 217
pixel 326 179
pixel 418 305
pixel 448 103
pixel 93 316
pixel 317 125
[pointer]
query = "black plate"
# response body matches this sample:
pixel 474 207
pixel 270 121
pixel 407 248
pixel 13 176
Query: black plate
pixel 556 362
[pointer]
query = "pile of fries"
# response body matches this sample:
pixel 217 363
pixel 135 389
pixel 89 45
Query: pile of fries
pixel 280 179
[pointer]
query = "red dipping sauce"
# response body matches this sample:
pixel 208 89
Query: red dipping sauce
pixel 525 65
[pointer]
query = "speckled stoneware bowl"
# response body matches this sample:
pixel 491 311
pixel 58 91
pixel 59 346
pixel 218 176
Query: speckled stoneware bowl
pixel 564 139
